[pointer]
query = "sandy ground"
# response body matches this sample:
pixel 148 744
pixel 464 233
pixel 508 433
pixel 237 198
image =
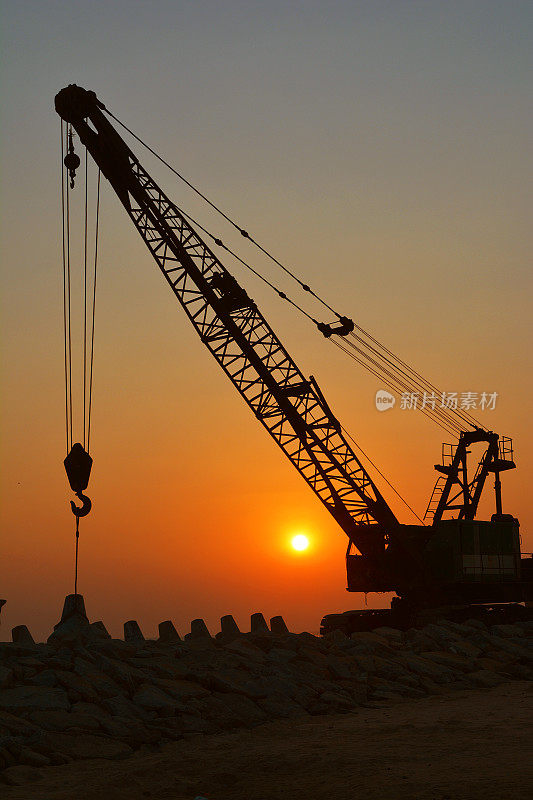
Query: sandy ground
pixel 461 745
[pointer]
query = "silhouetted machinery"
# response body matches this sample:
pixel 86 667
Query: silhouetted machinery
pixel 455 561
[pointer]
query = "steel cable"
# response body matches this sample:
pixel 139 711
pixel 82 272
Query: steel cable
pixel 63 249
pixel 399 367
pixel 91 359
pixel 436 412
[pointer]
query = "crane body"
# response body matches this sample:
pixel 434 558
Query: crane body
pixel 443 563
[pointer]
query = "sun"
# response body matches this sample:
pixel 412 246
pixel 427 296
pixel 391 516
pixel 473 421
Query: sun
pixel 300 542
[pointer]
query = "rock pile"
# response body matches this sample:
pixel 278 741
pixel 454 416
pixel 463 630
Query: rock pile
pixel 85 695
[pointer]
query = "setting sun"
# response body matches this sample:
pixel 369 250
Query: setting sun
pixel 300 542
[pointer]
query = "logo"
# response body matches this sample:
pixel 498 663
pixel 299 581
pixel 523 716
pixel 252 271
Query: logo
pixel 384 400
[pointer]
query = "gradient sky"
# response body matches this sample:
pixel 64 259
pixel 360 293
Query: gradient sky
pixel 383 149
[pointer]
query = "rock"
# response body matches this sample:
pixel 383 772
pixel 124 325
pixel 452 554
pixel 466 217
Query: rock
pixel 34 697
pixel 485 678
pixel 279 655
pixel 121 706
pixel 75 629
pixel 231 711
pixel 6 677
pixel 389 633
pixel 85 745
pixel 21 774
pixel 90 709
pixel 21 635
pixel 492 664
pixel 289 687
pixel 336 636
pixel 428 669
pixel 152 697
pixel 57 720
pixel 338 668
pixel 235 682
pixel 77 685
pixel 99 683
pixel 258 623
pixel 132 632
pixel 100 630
pixel 16 725
pixel 228 628
pixel 523 650
pixel 129 730
pixel 297 640
pixel 27 756
pixel 278 626
pixel 168 633
pixel 465 648
pixel 371 638
pixel 313 655
pixel 182 690
pixel 46 678
pixel 452 660
pixel 277 706
pixel 331 702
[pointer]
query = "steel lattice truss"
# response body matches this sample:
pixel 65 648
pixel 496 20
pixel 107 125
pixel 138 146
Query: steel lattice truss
pixel 230 325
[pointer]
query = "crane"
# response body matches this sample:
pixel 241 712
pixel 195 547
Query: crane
pixel 423 564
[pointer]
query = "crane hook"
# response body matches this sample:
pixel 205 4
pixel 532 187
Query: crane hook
pixel 71 160
pixel 83 510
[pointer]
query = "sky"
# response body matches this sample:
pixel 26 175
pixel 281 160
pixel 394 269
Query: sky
pixel 383 151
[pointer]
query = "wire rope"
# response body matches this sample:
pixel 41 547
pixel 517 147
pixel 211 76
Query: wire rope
pixel 91 359
pixel 358 446
pixel 223 214
pixel 64 262
pixel 69 316
pixel 85 306
pixel 401 366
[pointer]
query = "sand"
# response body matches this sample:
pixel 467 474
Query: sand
pixel 457 746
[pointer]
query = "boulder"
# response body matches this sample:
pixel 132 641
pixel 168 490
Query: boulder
pixel 153 698
pixel 60 720
pixel 74 630
pixel 246 650
pixel 33 697
pixel 484 678
pixel 6 677
pixel 20 774
pixel 85 745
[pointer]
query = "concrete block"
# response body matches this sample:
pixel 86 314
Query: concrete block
pixel 21 635
pixel 132 631
pixel 99 629
pixel 228 627
pixel 199 630
pixel 258 623
pixel 167 632
pixel 74 606
pixel 277 625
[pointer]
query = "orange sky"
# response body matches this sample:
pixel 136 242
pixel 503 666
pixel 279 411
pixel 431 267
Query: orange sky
pixel 384 157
